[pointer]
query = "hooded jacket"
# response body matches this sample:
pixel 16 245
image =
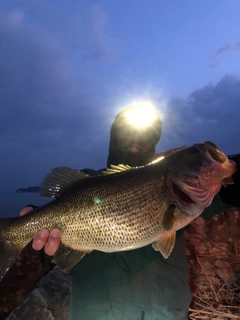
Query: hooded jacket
pixel 138 284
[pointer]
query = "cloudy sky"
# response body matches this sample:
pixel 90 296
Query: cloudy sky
pixel 67 68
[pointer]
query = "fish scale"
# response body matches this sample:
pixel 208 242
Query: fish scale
pixel 115 229
pixel 124 208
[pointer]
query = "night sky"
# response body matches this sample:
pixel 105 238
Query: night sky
pixel 68 67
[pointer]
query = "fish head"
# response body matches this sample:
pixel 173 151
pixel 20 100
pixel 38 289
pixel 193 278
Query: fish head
pixel 196 174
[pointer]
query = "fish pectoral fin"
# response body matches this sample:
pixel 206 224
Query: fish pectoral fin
pixel 168 218
pixel 165 244
pixel 60 179
pixel 66 257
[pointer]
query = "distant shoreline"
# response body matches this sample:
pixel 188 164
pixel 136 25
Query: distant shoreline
pixel 29 189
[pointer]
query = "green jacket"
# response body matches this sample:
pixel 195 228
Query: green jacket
pixel 134 285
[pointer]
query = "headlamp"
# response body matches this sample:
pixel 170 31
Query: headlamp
pixel 140 115
pixel 134 134
pixel 138 122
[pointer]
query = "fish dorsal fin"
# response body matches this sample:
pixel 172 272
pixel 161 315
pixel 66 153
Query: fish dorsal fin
pixel 125 167
pixel 60 179
pixel 66 257
pixel 116 169
pixel 165 244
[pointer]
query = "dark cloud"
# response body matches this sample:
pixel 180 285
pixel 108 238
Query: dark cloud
pixel 210 113
pixel 54 114
pixel 227 47
pixel 49 115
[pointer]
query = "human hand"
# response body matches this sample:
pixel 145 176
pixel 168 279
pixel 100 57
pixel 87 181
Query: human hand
pixel 50 241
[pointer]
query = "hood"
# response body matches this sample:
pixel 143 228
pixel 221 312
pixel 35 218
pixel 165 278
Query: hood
pixel 131 144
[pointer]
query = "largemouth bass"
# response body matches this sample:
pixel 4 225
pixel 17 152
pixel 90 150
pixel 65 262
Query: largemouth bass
pixel 123 208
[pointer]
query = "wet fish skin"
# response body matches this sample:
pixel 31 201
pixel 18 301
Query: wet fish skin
pixel 126 210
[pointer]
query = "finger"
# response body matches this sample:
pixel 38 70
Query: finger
pixel 40 240
pixel 53 242
pixel 25 210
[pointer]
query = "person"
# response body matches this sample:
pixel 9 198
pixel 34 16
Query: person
pixel 138 284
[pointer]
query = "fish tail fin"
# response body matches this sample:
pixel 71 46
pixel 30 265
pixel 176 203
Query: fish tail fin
pixel 9 251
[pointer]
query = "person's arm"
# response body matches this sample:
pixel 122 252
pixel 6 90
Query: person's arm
pixel 229 196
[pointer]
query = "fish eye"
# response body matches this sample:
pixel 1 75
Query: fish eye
pixel 212 145
pixel 215 152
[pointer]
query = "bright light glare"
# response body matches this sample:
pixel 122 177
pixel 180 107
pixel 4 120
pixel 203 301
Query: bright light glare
pixel 141 115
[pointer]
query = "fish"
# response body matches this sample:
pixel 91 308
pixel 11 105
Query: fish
pixel 122 208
